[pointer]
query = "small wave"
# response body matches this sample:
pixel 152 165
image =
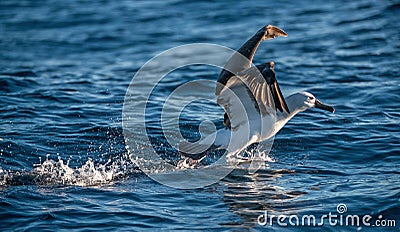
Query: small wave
pixel 20 74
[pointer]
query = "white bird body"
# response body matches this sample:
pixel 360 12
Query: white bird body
pixel 260 130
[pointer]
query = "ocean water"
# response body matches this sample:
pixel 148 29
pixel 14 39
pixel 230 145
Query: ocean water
pixel 65 67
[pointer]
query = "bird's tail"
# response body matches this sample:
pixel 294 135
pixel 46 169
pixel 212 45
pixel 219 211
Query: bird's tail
pixel 199 149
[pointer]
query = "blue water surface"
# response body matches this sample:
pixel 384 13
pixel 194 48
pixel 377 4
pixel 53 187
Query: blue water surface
pixel 65 67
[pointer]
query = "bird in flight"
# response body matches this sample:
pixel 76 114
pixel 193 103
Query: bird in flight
pixel 255 108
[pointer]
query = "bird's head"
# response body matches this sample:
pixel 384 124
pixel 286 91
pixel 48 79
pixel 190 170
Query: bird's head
pixel 306 100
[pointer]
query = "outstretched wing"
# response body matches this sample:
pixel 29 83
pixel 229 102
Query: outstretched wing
pixel 242 59
pixel 251 93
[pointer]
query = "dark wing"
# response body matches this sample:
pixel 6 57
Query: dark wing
pixel 279 100
pixel 242 59
pixel 252 92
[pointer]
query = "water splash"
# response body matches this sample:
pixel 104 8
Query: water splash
pixel 60 172
pixel 247 159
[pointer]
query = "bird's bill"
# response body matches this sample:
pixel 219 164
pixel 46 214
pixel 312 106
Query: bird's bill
pixel 322 106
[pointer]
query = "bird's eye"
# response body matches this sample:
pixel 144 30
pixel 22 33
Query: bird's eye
pixel 311 98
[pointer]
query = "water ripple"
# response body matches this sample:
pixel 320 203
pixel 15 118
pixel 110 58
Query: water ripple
pixel 64 70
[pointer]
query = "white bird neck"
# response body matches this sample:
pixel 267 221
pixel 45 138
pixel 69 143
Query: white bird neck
pixel 295 103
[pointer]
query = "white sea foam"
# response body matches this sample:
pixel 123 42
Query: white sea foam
pixel 60 172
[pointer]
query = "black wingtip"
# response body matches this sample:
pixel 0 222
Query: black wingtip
pixel 273 31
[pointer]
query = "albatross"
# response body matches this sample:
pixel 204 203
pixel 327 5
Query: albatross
pixel 255 108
